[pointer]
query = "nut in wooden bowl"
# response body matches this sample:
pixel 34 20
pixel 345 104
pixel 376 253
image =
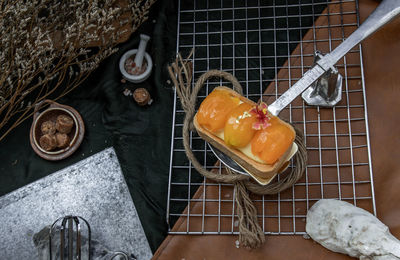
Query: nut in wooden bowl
pixel 57 131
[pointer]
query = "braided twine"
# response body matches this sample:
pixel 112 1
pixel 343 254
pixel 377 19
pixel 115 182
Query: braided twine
pixel 250 233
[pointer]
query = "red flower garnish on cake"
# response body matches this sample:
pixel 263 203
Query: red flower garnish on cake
pixel 261 113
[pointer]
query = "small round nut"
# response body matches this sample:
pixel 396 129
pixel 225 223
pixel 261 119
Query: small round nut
pixel 48 127
pixel 63 140
pixel 64 124
pixel 48 142
pixel 141 96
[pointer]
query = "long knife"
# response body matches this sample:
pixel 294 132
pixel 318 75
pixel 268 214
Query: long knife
pixel 384 13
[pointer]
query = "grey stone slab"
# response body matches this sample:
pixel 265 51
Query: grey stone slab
pixel 93 188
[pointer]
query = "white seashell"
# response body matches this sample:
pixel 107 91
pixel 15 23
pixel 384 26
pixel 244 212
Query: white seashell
pixel 341 227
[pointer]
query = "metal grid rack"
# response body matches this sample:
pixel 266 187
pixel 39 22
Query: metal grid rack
pixel 268 45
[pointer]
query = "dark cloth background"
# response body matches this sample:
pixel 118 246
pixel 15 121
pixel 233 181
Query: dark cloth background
pixel 141 136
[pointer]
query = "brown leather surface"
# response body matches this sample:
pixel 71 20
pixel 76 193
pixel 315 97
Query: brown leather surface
pixel 382 71
pixel 382 77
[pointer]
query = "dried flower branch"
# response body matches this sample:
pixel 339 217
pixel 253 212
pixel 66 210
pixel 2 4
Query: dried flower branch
pixel 50 47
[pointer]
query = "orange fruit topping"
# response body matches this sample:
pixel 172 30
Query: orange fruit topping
pixel 271 143
pixel 238 130
pixel 215 109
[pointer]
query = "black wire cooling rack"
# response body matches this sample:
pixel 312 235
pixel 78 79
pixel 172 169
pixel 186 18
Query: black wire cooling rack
pixel 268 45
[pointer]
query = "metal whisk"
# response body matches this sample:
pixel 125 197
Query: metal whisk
pixel 122 256
pixel 70 238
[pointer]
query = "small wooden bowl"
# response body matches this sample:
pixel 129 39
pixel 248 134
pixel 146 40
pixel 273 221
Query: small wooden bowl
pixel 55 109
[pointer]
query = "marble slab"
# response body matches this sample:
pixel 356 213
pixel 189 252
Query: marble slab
pixel 93 188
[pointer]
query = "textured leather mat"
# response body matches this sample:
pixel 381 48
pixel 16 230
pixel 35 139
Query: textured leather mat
pixel 381 67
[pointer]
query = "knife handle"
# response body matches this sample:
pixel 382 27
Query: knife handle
pixel 385 12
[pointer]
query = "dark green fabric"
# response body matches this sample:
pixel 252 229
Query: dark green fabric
pixel 139 135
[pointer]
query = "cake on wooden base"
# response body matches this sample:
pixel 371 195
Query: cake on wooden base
pixel 259 142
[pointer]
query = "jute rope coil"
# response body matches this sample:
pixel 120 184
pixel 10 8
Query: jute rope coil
pixel 250 233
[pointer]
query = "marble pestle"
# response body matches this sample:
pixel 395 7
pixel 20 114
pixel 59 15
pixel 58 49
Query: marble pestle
pixel 141 50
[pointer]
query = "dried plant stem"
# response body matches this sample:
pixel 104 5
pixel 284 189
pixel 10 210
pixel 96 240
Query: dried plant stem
pixel 48 48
